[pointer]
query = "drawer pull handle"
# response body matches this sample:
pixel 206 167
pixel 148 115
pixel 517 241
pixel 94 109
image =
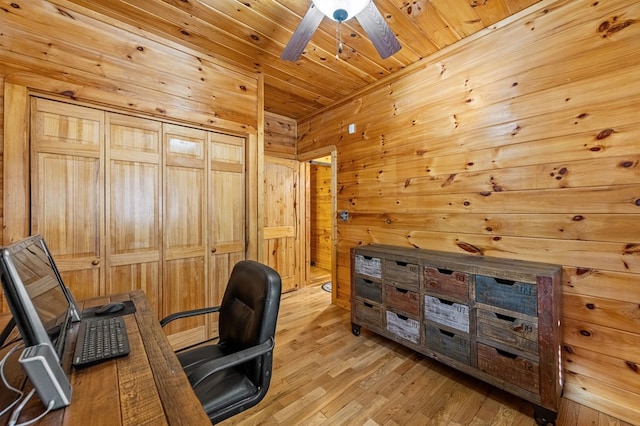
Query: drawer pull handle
pixel 367 257
pixel 446 302
pixel 505 317
pixel 445 271
pixel 401 263
pixel 506 354
pixel 366 281
pixel 401 290
pixel 446 333
pixel 402 317
pixel 368 305
pixel 504 282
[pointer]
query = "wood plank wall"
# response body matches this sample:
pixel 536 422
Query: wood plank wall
pixel 520 142
pixel 58 40
pixel 279 136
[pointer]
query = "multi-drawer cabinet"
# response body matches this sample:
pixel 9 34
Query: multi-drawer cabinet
pixel 495 319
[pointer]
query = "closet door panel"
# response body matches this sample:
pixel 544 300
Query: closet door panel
pixel 227 212
pixel 184 289
pixel 184 212
pixel 226 194
pixel 184 230
pixel 134 222
pixel 142 275
pixel 68 190
pixel 134 208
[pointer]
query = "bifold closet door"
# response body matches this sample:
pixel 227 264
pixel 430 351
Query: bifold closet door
pixel 67 190
pixel 185 237
pixel 130 203
pixel 227 213
pixel 133 206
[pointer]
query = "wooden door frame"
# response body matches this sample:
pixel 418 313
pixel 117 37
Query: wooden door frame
pixel 305 254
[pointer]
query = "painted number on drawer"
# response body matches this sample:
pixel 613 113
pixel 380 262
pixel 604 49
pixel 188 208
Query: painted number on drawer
pixel 528 328
pixel 526 290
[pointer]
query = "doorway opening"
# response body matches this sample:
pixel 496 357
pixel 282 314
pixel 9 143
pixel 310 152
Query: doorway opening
pixel 320 222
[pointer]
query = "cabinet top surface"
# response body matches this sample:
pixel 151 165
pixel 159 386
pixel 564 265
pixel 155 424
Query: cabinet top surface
pixel 499 267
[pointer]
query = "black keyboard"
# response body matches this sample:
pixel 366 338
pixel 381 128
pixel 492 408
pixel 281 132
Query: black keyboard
pixel 100 339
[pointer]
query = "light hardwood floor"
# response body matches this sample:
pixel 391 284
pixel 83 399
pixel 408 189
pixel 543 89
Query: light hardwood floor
pixel 324 375
pixel 318 276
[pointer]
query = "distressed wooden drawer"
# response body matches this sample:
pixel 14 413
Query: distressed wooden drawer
pixel 514 332
pixel 403 300
pixel 447 343
pixel 446 283
pixel 512 295
pixel 368 313
pixel 512 368
pixel 451 314
pixel 368 265
pixel 403 274
pixel 403 327
pixel 368 289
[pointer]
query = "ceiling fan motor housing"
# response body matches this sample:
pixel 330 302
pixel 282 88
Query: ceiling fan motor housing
pixel 341 10
pixel 340 15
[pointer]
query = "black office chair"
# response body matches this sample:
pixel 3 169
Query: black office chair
pixel 234 374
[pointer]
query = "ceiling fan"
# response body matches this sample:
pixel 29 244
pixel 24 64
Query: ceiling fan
pixel 340 11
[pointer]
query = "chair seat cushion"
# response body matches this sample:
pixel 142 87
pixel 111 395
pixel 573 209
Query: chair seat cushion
pixel 224 388
pixel 190 359
pixel 221 389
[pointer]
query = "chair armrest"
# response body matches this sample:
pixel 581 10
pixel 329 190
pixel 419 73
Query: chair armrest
pixel 236 358
pixel 184 314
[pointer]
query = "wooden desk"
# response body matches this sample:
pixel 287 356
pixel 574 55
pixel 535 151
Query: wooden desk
pixel 147 387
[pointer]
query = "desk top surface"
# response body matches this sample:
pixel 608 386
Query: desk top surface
pixel 146 387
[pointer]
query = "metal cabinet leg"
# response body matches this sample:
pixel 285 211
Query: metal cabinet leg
pixel 544 416
pixel 355 329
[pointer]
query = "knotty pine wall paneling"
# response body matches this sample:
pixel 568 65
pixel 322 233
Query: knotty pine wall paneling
pixel 279 136
pixel 520 142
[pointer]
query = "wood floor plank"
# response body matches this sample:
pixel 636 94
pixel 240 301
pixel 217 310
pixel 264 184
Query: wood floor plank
pixel 324 375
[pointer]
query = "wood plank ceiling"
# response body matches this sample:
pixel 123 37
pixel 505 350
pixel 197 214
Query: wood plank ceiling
pixel 253 33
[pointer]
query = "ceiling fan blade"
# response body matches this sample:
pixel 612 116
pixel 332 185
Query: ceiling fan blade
pixel 302 34
pixel 378 31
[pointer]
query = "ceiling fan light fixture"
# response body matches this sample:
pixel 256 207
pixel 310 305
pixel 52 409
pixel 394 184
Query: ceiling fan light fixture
pixel 340 10
pixel 365 11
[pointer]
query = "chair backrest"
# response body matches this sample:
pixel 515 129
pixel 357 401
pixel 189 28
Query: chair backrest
pixel 249 311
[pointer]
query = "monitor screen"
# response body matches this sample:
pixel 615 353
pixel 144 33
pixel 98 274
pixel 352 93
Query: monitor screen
pixel 35 294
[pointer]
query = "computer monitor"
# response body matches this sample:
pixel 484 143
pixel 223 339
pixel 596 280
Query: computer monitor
pixel 41 305
pixel 43 310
